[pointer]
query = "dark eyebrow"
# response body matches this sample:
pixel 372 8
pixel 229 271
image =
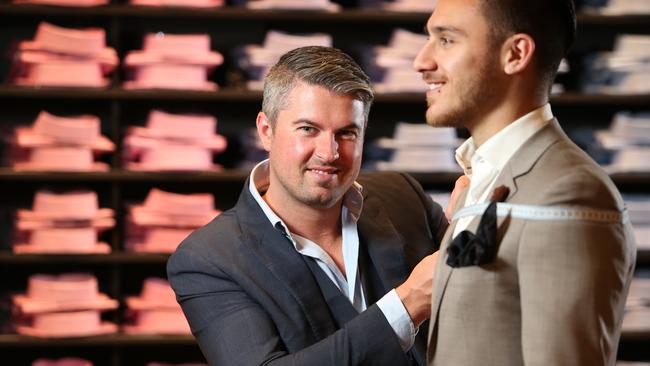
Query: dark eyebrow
pixel 447 29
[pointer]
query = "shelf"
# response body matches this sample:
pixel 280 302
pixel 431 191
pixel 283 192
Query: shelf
pixel 226 13
pixel 576 98
pixel 346 15
pixel 122 176
pixel 631 178
pixel 238 95
pixel 637 335
pixel 114 93
pixel 234 176
pixel 113 258
pixel 614 20
pixel 14 340
pixel 643 258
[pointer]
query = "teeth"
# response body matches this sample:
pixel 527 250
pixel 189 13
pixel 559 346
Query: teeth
pixel 322 172
pixel 435 86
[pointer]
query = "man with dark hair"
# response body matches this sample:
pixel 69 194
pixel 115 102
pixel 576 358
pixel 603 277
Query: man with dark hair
pixel 537 261
pixel 313 266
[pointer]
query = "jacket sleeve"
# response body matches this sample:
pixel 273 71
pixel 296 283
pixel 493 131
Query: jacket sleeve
pixel 574 277
pixel 233 329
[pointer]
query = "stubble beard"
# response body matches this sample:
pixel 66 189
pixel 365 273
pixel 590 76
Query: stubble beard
pixel 471 98
pixel 307 194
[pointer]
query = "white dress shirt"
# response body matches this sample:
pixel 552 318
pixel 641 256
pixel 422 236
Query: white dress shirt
pixel 349 284
pixel 483 165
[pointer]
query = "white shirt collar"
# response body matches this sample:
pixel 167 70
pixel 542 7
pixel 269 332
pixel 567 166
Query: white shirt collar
pixel 501 147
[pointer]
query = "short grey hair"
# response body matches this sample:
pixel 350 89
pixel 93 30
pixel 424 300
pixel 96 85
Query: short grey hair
pixel 323 66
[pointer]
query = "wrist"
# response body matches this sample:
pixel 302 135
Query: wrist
pixel 417 310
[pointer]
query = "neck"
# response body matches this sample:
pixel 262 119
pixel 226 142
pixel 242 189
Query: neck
pixel 318 224
pixel 514 105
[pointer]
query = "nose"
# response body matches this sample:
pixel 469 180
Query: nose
pixel 327 148
pixel 425 60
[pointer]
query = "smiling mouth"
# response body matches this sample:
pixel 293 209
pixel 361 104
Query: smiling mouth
pixel 323 172
pixel 435 86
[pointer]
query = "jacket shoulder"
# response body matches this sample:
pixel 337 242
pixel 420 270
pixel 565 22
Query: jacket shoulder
pixel 566 175
pixel 388 183
pixel 218 236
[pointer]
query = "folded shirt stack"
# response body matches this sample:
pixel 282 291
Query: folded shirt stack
pixel 176 364
pixel 414 6
pixel 625 70
pixel 419 148
pixel 75 3
pixel 638 208
pixel 391 66
pixel 155 310
pixel 616 7
pixel 256 60
pixel 64 57
pixel 558 86
pixel 314 5
pixel 628 142
pixel 630 160
pixel 66 361
pixel 626 129
pixel 173 143
pixel 164 219
pixel 63 223
pixel 54 143
pixel 637 306
pixel 62 306
pixel 180 3
pixel 172 61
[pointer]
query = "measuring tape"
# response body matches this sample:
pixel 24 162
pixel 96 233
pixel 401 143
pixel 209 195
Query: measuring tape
pixel 546 213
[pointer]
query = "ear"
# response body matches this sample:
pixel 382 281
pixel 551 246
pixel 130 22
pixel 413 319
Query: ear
pixel 264 130
pixel 517 53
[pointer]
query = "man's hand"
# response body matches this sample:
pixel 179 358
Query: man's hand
pixel 415 292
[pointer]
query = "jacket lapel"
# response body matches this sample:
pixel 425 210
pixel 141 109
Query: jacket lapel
pixel 288 266
pixel 528 155
pixel 443 271
pixel 385 245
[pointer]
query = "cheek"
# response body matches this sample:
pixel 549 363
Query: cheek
pixel 352 151
pixel 297 149
pixel 459 67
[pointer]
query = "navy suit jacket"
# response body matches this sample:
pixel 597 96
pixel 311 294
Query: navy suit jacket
pixel 251 299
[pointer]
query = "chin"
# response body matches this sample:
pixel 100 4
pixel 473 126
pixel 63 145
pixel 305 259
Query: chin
pixel 322 202
pixel 436 122
pixel 441 120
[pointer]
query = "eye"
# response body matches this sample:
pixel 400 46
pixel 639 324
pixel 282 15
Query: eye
pixel 445 41
pixel 349 134
pixel 307 129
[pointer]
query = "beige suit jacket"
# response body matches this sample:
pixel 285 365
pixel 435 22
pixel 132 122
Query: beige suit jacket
pixel 556 292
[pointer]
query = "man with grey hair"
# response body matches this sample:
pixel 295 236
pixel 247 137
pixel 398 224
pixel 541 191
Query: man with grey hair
pixel 315 265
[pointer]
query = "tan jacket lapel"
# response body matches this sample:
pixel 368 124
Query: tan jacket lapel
pixel 442 271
